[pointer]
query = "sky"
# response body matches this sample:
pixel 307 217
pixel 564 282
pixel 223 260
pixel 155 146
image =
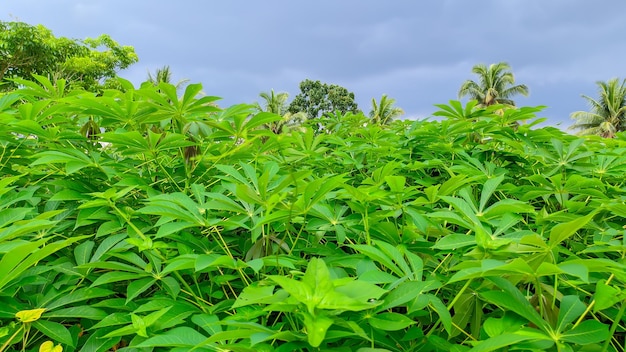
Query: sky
pixel 417 52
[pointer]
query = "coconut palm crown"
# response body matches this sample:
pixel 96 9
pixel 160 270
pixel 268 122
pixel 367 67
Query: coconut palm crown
pixel 496 85
pixel 607 114
pixel 384 111
pixel 276 103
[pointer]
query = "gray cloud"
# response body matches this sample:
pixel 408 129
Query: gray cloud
pixel 416 52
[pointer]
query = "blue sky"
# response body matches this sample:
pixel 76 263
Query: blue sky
pixel 418 52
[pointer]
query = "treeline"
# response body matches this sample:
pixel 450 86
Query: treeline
pixel 93 65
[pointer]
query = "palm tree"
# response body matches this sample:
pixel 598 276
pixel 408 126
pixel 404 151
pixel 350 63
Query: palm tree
pixel 164 74
pixel 496 85
pixel 276 103
pixel 384 112
pixel 607 115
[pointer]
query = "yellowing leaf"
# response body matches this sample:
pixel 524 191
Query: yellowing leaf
pixel 49 346
pixel 28 316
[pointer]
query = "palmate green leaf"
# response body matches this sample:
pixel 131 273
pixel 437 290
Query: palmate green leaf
pixel 113 319
pixel 79 295
pixel 317 190
pixel 111 265
pixel 300 291
pixel 390 321
pixel 262 118
pixel 117 276
pixel 489 187
pixel 248 195
pixel 417 265
pixel 82 252
pixel 607 296
pixel 212 260
pixel 181 336
pixel 589 331
pixel 517 265
pixel 55 331
pixel 129 142
pixel 406 292
pixel 571 308
pixel 511 299
pixel 393 253
pixel 316 327
pixel 396 183
pixel 182 262
pixel 454 241
pixel 444 315
pixel 106 245
pixel 219 201
pixel 97 343
pixel 563 231
pixel 7 100
pixel 361 291
pixel 506 340
pixel 172 210
pixel 74 160
pixel 165 141
pixel 338 300
pixel 209 323
pixel 172 228
pixel 11 215
pixel 378 277
pixel 506 206
pixel 254 295
pixel 26 226
pixel 84 312
pixel 137 287
pixel 573 269
pixel 452 217
pixel 317 277
pixel 13 264
pixel 509 323
pixel 467 209
pixel 378 256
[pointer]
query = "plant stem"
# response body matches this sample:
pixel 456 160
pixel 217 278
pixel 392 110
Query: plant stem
pixel 616 322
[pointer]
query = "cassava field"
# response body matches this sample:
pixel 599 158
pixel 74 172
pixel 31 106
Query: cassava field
pixel 146 219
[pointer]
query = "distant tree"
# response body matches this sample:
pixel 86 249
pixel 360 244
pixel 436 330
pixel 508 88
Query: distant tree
pixel 317 99
pixel 276 103
pixel 607 114
pixel 384 111
pixel 164 74
pixel 496 85
pixel 27 50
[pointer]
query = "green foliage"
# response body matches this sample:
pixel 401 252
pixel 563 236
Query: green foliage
pixel 318 99
pixel 607 114
pixel 384 111
pixel 496 85
pixel 146 220
pixel 26 50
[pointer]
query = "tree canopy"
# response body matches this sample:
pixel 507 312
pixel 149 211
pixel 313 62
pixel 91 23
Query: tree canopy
pixel 384 111
pixel 317 99
pixel 496 85
pixel 607 114
pixel 276 103
pixel 26 50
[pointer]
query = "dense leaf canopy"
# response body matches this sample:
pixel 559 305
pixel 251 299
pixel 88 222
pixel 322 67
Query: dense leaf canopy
pixel 26 50
pixel 151 219
pixel 496 85
pixel 317 99
pixel 607 114
pixel 147 219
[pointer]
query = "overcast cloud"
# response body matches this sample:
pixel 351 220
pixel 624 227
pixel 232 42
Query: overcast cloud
pixel 418 52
